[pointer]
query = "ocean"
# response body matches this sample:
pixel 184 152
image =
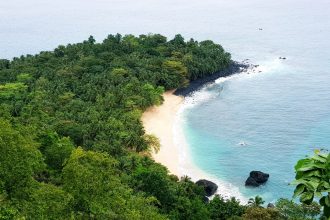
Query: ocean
pixel 281 113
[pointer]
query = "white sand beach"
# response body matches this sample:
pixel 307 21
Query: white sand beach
pixel 159 121
pixel 164 122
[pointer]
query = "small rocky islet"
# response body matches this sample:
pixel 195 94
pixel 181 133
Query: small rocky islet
pixel 256 179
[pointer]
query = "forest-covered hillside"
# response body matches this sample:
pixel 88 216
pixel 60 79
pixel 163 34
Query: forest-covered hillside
pixel 72 145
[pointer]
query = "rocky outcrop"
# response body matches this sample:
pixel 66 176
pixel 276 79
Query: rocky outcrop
pixel 209 187
pixel 251 182
pixel 195 85
pixel 256 178
pixel 259 176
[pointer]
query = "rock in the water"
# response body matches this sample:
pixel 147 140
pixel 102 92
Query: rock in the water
pixel 209 187
pixel 251 182
pixel 259 176
pixel 256 178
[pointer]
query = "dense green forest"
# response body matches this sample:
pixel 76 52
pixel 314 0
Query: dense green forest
pixel 72 145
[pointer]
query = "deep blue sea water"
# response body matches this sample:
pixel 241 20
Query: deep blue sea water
pixel 282 113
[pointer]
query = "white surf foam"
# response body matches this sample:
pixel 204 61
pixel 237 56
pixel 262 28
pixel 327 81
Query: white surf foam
pixel 186 165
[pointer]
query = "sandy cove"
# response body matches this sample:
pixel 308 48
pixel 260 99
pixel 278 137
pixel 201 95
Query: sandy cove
pixel 159 121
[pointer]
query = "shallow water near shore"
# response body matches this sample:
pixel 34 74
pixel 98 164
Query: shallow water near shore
pixel 281 113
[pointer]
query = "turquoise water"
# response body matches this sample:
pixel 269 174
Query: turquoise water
pixel 280 117
pixel 281 114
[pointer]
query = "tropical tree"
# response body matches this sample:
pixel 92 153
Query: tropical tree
pixel 313 180
pixel 260 213
pixel 20 159
pixel 47 202
pixel 221 208
pixel 93 181
pixel 256 201
pixel 90 177
pixel 153 143
pixel 291 210
pixel 92 95
pixel 55 149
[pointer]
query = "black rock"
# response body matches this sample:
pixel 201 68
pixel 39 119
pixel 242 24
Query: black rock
pixel 259 176
pixel 209 187
pixel 256 178
pixel 195 85
pixel 251 182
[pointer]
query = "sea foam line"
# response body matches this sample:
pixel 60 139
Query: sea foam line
pixel 188 168
pixel 186 164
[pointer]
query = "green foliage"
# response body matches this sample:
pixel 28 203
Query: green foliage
pixel 177 71
pixel 24 78
pixel 90 177
pixel 221 208
pixel 7 210
pixel 48 202
pixel 260 213
pixel 155 182
pixel 4 64
pixel 256 201
pixel 153 143
pixel 189 202
pixel 55 149
pixel 179 199
pixel 87 91
pixel 313 180
pixel 93 180
pixel 11 90
pixel 20 159
pixel 72 145
pixel 8 213
pixel 293 211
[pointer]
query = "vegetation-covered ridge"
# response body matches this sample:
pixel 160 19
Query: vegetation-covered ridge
pixel 72 145
pixel 71 141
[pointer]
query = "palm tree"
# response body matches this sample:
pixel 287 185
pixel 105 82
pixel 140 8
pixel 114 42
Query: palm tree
pixel 153 143
pixel 185 178
pixel 256 201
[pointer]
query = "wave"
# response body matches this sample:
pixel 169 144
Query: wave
pixel 188 168
pixel 205 94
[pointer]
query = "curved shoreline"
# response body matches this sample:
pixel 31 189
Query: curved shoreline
pixel 233 68
pixel 159 121
pixel 166 122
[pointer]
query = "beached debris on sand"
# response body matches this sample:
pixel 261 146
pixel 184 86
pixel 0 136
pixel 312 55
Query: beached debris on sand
pixel 209 187
pixel 256 178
